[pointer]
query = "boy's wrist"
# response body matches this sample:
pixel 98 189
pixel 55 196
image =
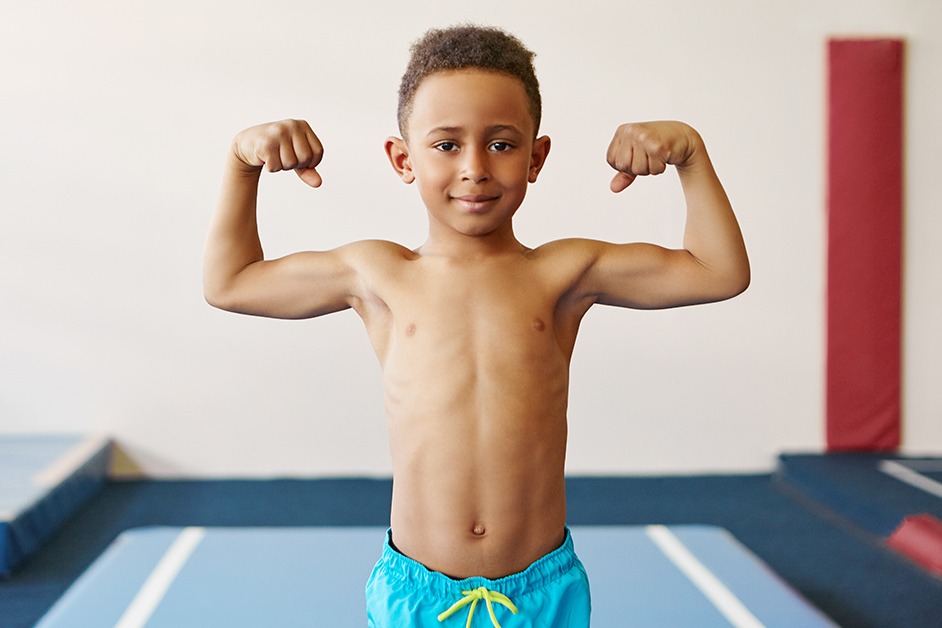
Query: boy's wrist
pixel 696 149
pixel 239 165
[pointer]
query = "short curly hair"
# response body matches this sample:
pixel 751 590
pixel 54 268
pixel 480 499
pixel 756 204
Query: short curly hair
pixel 463 47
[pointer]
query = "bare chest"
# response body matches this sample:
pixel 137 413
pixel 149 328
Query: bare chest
pixel 498 313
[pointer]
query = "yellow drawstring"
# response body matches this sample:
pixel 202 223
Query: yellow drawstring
pixel 472 597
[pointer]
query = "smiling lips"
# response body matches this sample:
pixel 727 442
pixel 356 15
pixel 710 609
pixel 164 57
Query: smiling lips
pixel 475 202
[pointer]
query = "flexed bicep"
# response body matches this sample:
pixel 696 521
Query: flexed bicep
pixel 648 276
pixel 300 285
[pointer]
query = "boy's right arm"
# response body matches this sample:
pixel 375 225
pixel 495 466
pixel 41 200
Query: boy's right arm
pixel 236 276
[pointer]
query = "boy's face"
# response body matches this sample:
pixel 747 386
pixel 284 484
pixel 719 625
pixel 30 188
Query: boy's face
pixel 470 150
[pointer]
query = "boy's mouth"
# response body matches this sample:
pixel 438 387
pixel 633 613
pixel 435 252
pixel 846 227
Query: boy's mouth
pixel 475 198
pixel 475 202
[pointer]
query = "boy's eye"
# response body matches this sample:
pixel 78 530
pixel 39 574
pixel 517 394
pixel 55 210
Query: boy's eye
pixel 446 146
pixel 501 146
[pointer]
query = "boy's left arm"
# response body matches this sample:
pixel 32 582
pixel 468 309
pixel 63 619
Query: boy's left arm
pixel 713 264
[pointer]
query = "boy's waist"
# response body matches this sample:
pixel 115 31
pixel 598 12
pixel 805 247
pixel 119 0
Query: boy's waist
pixel 477 536
pixel 541 572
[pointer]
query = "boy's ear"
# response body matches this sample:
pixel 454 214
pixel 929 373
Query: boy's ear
pixel 398 153
pixel 541 149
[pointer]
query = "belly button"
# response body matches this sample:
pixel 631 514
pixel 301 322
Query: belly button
pixel 478 529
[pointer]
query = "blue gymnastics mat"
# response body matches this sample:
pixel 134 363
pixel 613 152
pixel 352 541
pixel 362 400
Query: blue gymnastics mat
pixel 239 577
pixel 44 479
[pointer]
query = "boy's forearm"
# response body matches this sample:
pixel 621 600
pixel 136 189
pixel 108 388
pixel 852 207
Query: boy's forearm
pixel 233 242
pixel 712 234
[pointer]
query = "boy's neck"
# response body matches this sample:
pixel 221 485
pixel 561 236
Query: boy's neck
pixel 461 246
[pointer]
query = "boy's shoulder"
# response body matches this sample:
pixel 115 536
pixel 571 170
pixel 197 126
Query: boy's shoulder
pixel 570 260
pixel 371 258
pixel 567 251
pixel 376 251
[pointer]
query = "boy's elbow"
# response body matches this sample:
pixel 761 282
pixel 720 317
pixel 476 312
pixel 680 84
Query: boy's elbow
pixel 221 288
pixel 213 299
pixel 218 297
pixel 738 281
pixel 727 282
pixel 741 287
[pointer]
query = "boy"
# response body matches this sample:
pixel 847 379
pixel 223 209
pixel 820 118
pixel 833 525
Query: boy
pixel 473 330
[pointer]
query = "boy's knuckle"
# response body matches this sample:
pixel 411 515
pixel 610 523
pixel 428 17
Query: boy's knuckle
pixel 268 147
pixel 276 131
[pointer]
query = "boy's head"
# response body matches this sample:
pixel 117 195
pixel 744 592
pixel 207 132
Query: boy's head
pixel 468 47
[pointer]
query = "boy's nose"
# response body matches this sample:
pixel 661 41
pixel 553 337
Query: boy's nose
pixel 474 166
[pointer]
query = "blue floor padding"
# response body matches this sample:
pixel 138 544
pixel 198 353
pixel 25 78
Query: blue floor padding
pixel 44 479
pixel 853 487
pixel 311 576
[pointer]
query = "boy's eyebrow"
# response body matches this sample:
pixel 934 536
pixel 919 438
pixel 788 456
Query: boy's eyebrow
pixel 491 130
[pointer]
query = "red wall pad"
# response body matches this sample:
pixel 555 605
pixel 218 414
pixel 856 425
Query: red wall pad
pixel 865 205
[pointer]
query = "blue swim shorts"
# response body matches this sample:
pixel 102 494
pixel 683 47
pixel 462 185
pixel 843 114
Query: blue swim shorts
pixel 553 592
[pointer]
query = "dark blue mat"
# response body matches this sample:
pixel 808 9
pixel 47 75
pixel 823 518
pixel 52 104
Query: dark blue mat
pixel 44 479
pixel 861 489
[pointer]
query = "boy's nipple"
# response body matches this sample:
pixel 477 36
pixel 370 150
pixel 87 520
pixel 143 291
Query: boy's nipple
pixel 410 329
pixel 538 324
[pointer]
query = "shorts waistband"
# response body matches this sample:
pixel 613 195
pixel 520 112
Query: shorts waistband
pixel 540 573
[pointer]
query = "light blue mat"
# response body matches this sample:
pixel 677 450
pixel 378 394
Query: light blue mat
pixel 240 577
pixel 44 479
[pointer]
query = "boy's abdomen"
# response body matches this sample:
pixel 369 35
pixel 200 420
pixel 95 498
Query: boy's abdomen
pixel 478 468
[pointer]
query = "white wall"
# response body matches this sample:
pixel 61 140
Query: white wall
pixel 114 120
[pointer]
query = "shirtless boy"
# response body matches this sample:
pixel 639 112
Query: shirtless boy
pixel 473 330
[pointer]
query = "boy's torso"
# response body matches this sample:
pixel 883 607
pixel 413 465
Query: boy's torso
pixel 475 357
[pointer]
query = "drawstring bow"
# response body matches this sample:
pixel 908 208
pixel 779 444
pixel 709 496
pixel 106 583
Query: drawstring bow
pixel 472 597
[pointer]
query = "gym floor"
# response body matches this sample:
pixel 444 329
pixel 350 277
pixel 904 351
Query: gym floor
pixel 844 571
